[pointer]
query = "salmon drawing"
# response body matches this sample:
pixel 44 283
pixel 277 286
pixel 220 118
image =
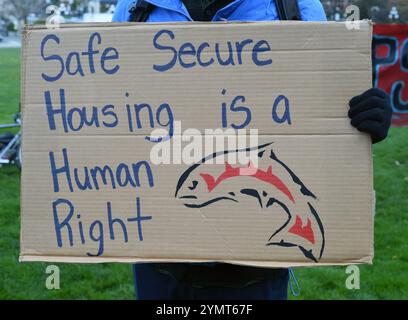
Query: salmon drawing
pixel 271 184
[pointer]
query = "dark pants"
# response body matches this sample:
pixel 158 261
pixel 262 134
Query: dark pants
pixel 150 284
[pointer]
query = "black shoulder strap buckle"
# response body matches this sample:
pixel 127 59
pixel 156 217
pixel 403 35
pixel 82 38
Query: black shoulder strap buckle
pixel 140 11
pixel 288 9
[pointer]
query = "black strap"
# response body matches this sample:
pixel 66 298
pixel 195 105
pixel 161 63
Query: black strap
pixel 288 9
pixel 213 6
pixel 140 11
pixel 195 8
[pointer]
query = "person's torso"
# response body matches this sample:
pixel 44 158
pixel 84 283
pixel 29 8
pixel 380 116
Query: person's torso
pixel 238 10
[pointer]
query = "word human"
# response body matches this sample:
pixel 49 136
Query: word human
pixel 96 177
pixel 205 54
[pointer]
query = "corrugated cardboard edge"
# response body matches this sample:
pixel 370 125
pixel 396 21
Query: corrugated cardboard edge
pixel 371 167
pixel 187 23
pixel 25 34
pixel 257 263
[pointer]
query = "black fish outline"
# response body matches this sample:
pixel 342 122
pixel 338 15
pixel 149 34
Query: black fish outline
pixel 259 195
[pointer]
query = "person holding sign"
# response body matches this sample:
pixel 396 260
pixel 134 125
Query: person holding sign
pixel 369 112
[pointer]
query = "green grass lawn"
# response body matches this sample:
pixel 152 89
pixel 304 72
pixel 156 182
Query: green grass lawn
pixel 386 279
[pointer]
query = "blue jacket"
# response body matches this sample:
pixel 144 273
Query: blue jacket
pixel 239 10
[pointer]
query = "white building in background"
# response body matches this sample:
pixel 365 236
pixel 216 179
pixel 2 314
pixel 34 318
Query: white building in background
pixel 94 13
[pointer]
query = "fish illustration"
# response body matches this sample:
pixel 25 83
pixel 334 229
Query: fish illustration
pixel 271 184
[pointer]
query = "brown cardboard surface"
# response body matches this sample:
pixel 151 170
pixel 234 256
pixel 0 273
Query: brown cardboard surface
pixel 308 200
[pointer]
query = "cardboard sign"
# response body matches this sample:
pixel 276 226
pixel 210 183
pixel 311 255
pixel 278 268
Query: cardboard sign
pixel 225 142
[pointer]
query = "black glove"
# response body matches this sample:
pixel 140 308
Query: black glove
pixel 371 112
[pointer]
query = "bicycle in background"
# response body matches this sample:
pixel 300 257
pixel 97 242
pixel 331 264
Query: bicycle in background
pixel 10 143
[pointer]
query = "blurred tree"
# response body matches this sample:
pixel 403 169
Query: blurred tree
pixel 4 17
pixel 378 10
pixel 403 11
pixel 11 27
pixel 21 9
pixel 372 9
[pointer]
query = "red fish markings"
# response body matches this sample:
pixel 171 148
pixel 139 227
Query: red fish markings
pixel 305 232
pixel 250 171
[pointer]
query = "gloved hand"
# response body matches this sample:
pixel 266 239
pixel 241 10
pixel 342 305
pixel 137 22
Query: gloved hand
pixel 371 112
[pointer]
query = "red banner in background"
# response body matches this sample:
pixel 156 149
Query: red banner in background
pixel 390 67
